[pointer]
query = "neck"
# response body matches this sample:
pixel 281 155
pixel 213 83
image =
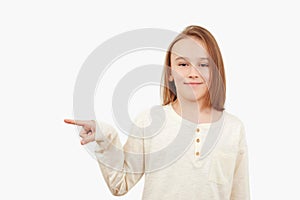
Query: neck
pixel 195 112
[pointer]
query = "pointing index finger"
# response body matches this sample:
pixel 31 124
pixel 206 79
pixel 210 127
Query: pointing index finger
pixel 77 122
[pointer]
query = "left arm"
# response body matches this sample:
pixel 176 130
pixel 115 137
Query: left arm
pixel 240 186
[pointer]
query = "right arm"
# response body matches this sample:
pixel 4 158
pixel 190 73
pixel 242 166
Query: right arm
pixel 121 167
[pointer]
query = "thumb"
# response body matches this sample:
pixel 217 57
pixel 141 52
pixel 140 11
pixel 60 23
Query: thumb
pixel 89 138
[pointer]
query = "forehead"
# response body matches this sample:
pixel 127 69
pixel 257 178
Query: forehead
pixel 189 47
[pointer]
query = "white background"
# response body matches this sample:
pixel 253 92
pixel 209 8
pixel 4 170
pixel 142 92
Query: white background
pixel 44 43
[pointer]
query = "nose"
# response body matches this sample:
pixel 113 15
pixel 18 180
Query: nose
pixel 193 72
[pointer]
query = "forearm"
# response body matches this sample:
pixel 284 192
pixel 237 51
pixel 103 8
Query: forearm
pixel 120 166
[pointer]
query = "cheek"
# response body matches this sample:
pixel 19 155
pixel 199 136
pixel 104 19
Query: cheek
pixel 178 75
pixel 204 75
pixel 206 79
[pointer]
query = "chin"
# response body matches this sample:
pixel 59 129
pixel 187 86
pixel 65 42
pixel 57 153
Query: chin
pixel 195 99
pixel 191 96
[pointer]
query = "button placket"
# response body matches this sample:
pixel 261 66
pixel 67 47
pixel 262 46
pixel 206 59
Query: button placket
pixel 199 140
pixel 197 143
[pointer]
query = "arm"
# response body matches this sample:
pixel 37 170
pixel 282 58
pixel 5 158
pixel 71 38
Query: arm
pixel 240 186
pixel 121 167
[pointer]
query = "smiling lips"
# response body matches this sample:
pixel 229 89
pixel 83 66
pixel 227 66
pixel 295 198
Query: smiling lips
pixel 193 83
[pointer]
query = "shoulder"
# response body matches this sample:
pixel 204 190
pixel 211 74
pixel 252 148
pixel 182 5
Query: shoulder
pixel 142 116
pixel 235 125
pixel 236 129
pixel 233 120
pixel 147 115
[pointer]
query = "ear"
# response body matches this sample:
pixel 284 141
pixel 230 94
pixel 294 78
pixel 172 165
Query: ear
pixel 171 78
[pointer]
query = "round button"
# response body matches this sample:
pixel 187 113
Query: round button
pixel 197 153
pixel 198 140
pixel 198 130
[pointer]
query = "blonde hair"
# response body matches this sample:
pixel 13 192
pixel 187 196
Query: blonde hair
pixel 216 93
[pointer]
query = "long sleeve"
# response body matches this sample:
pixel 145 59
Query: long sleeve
pixel 121 167
pixel 240 187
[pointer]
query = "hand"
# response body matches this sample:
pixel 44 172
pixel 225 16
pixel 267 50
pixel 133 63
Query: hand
pixel 88 130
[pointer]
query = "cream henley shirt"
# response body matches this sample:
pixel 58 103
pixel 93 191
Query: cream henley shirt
pixel 180 159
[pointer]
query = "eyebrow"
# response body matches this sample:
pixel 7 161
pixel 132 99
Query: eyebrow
pixel 185 58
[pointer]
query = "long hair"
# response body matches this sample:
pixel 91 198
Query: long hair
pixel 216 93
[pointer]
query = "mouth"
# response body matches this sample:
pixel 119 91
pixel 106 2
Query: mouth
pixel 194 83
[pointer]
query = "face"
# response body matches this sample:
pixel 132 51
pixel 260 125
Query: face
pixel 190 69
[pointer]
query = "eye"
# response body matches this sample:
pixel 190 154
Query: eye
pixel 204 65
pixel 182 64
